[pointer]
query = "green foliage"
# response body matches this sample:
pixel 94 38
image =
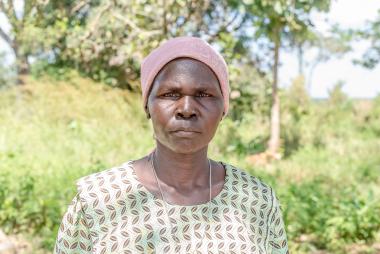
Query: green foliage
pixel 236 137
pixel 372 119
pixel 338 99
pixel 19 211
pixel 249 91
pixel 109 43
pixel 296 107
pixel 314 124
pixel 56 71
pixel 330 217
pixel 371 33
pixel 52 133
pixel 33 29
pixel 106 40
pixel 282 19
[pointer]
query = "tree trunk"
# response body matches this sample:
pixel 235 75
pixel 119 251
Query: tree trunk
pixel 274 141
pixel 300 57
pixel 22 64
pixel 164 19
pixel 311 74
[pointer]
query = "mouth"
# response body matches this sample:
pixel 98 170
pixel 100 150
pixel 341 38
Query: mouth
pixel 182 132
pixel 185 130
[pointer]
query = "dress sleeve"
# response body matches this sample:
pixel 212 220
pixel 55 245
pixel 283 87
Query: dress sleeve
pixel 73 235
pixel 278 243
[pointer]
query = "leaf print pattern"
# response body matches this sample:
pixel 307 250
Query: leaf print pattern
pixel 73 234
pixel 114 213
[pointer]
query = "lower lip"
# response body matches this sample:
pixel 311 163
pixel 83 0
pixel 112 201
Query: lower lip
pixel 185 134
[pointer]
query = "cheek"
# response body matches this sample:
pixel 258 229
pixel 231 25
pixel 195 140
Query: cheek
pixel 159 117
pixel 215 111
pixel 212 118
pixel 212 125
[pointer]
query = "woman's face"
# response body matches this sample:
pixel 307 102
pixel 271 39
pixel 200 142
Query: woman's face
pixel 185 105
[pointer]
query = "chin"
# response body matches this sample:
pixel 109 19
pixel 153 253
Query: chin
pixel 185 146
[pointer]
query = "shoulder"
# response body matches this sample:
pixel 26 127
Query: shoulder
pixel 110 185
pixel 244 178
pixel 253 187
pixel 104 177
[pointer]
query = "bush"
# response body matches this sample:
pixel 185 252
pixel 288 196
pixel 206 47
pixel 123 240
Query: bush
pixel 372 120
pixel 19 209
pixel 330 217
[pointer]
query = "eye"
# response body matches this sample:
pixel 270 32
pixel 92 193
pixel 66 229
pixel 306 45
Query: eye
pixel 203 94
pixel 171 94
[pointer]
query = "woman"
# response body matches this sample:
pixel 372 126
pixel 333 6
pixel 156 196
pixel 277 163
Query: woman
pixel 176 200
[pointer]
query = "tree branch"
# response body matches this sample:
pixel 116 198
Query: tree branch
pixel 232 20
pixel 95 22
pixel 12 9
pixel 200 22
pixel 127 21
pixel 224 26
pixel 135 27
pixel 6 38
pixel 190 12
pixel 9 12
pixel 28 7
pixel 164 19
pixel 79 6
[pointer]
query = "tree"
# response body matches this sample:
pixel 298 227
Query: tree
pixel 279 21
pixel 335 44
pixel 372 33
pixel 16 38
pixel 34 27
pixel 118 34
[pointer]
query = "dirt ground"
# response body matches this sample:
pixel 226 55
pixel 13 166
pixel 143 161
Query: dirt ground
pixel 17 244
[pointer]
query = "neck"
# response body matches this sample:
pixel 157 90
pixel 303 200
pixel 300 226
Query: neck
pixel 180 170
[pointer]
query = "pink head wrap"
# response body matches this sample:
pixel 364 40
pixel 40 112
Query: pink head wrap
pixel 191 47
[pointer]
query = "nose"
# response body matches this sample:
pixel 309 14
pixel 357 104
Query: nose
pixel 186 108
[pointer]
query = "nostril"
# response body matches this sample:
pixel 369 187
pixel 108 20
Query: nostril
pixel 181 115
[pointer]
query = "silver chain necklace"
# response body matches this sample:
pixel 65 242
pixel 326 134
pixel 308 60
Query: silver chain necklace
pixel 152 156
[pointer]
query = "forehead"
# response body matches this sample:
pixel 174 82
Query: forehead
pixel 186 72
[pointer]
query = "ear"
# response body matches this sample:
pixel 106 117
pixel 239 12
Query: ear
pixel 147 112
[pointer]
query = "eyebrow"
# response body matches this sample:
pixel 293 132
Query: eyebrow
pixel 174 86
pixel 171 85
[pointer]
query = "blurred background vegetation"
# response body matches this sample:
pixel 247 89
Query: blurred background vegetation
pixel 70 105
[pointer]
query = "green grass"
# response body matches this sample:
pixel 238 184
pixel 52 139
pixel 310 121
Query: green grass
pixel 52 133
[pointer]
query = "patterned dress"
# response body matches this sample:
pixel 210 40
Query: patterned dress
pixel 114 213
